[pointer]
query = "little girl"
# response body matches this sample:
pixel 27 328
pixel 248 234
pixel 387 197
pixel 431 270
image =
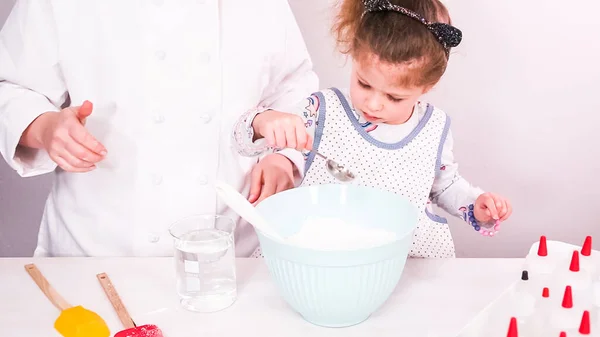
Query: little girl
pixel 379 128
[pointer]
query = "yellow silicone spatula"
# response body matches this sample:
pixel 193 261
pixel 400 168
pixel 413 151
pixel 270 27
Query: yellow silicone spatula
pixel 73 321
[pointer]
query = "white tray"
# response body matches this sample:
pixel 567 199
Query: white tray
pixel 494 319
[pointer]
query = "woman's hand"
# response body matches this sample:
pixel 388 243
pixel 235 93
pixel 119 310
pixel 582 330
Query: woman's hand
pixel 64 136
pixel 273 174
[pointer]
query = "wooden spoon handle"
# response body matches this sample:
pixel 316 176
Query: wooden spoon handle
pixel 46 288
pixel 115 300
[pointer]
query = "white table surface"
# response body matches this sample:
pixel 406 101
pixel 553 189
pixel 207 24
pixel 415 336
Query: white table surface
pixel 434 298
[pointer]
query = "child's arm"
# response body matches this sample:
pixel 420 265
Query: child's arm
pixel 458 197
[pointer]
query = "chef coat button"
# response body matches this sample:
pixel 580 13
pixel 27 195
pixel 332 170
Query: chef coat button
pixel 203 180
pixel 153 237
pixel 205 57
pixel 159 118
pixel 161 55
pixel 157 179
pixel 205 118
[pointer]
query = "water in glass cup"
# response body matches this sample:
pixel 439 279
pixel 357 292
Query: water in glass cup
pixel 205 262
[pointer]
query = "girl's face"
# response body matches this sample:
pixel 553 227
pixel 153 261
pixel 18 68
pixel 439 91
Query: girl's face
pixel 375 93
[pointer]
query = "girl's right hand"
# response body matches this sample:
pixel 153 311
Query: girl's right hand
pixel 282 130
pixel 67 141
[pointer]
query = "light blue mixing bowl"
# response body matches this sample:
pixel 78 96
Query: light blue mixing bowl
pixel 337 288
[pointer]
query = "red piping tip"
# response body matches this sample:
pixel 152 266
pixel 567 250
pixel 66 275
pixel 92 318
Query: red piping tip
pixel 512 328
pixel 543 247
pixel 574 261
pixel 586 250
pixel 567 301
pixel 584 327
pixel 546 292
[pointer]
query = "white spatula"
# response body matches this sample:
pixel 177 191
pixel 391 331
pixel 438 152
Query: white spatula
pixel 245 209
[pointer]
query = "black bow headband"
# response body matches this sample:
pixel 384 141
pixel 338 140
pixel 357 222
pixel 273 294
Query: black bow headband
pixel 446 34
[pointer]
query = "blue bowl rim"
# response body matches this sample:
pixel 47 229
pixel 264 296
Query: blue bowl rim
pixel 399 237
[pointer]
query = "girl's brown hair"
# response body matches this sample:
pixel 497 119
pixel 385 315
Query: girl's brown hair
pixel 394 38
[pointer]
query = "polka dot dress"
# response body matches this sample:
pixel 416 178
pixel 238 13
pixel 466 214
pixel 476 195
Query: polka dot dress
pixel 407 167
pixel 257 254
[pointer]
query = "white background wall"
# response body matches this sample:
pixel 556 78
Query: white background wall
pixel 523 93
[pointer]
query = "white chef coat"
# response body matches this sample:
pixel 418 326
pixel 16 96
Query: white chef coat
pixel 168 79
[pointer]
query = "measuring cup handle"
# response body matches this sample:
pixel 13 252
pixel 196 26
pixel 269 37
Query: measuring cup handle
pixel 52 295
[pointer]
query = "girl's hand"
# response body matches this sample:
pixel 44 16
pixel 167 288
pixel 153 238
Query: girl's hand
pixel 491 207
pixel 282 130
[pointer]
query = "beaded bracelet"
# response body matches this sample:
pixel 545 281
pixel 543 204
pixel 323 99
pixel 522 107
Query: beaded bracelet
pixel 486 229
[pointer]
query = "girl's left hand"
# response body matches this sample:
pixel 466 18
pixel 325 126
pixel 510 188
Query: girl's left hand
pixel 492 207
